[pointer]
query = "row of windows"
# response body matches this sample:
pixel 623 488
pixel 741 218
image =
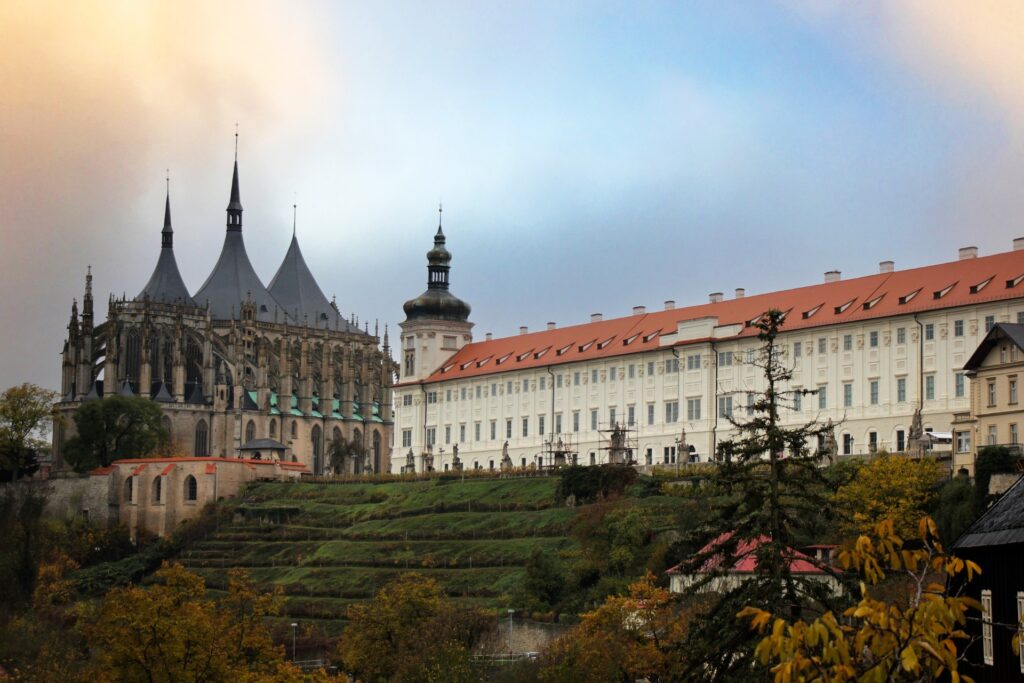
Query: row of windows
pixel 991 391
pixel 190 489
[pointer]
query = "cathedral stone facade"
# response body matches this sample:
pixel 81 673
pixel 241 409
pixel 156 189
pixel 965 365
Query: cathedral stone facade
pixel 238 367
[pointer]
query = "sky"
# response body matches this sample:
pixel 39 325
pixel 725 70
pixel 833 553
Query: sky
pixel 590 156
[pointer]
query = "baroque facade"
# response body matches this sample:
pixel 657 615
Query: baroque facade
pixel 236 362
pixel 879 350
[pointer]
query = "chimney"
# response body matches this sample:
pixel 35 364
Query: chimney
pixel 488 337
pixel 523 329
pixel 670 304
pixel 968 252
pixel 886 266
pixel 740 292
pixel 551 326
pixel 1018 244
pixel 596 317
pixel 833 276
pixel 715 297
pixel 639 310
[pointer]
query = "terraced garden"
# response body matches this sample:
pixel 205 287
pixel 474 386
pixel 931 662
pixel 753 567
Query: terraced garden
pixel 330 544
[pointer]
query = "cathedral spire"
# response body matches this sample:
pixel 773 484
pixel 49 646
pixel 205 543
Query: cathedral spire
pixel 87 299
pixel 167 234
pixel 235 203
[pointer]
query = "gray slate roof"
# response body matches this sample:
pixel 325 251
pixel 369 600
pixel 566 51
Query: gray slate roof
pixel 233 281
pixel 295 288
pixel 1002 524
pixel 165 284
pixel 262 445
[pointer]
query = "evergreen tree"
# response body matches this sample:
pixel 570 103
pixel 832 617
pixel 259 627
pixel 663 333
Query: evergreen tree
pixel 770 497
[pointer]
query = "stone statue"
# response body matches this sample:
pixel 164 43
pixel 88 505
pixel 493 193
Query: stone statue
pixel 831 446
pixel 682 448
pixel 456 463
pixel 506 460
pixel 915 437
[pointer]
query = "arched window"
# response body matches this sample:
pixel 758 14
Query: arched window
pixel 273 429
pixel 376 452
pixel 316 436
pixel 295 428
pixel 193 362
pixel 157 488
pixel 250 431
pixel 132 356
pixel 128 490
pixel 336 435
pixel 202 447
pixel 191 488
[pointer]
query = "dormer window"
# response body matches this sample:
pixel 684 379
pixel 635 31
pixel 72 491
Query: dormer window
pixel 981 285
pixel 564 349
pixel 605 343
pixel 542 352
pixel 652 335
pixel 629 340
pixel 503 358
pixel 1010 284
pixel 523 356
pixel 584 347
pixel 906 298
pixel 943 292
pixel 868 305
pixel 808 313
pixel 842 308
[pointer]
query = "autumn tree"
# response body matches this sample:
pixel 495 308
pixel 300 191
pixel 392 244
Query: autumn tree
pixel 893 487
pixel 633 637
pixel 26 411
pixel 113 428
pixel 411 631
pixel 770 494
pixel 917 635
pixel 173 631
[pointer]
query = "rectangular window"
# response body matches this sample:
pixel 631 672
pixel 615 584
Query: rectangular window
pixel 873 340
pixel 847 395
pixel 929 387
pixel 406 438
pixel 558 423
pixel 669 454
pixel 494 389
pixel 650 413
pixel 540 425
pixel 631 415
pixel 593 420
pixel 575 421
pixel 526 385
pixel 750 404
pixel 462 393
pixel 558 381
pixel 593 376
pixel 526 426
pixel 692 409
pixel 494 430
pixel 873 388
pixel 724 358
pixel 798 347
pixel 611 415
pixel 650 368
pixel 798 401
pixel 959 384
pixel 431 397
pixel 407 400
pixel 611 374
pixel 632 371
pixel 476 431
pixel 988 651
pixel 543 383
pixel 990 321
pixel 672 365
pixel 671 411
pixel 958 328
pixel 993 435
pixel 508 387
pixel 847 444
pixel 991 393
pixel 901 390
pixel 1020 321
pixel 725 406
pixel 901 335
pixel 576 379
pixel 847 342
pixel 901 440
pixel 750 356
pixel 822 345
pixel 508 428
pixel 1013 432
pixel 448 395
pixel 929 332
pixel 822 397
pixel 479 391
pixel 963 442
pixel 447 434
pixel 1012 382
pixel 693 361
pixel 462 433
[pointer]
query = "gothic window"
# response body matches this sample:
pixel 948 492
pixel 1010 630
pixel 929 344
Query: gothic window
pixel 168 362
pixel 193 362
pixel 132 356
pixel 336 435
pixel 273 429
pixel 316 437
pixel 157 486
pixel 191 489
pixel 295 428
pixel 202 447
pixel 376 452
pixel 128 490
pixel 250 431
pixel 154 358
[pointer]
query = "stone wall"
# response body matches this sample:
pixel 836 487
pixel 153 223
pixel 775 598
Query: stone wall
pixel 80 496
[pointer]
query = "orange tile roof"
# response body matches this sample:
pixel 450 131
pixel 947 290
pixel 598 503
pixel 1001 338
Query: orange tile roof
pixel 902 292
pixel 211 468
pixel 101 471
pixel 143 461
pixel 167 470
pixel 138 470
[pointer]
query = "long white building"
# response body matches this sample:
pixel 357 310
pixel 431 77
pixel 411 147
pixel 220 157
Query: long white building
pixel 874 347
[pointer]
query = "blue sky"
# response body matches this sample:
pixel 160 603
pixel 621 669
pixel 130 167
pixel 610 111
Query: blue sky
pixel 590 156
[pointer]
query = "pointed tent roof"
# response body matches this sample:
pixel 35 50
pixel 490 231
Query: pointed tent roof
pixel 165 284
pixel 295 288
pixel 233 280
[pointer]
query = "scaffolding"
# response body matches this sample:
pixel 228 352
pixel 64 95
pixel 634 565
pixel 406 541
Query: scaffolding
pixel 622 443
pixel 559 450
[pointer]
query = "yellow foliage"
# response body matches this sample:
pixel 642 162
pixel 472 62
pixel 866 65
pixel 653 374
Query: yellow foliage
pixel 877 642
pixel 893 487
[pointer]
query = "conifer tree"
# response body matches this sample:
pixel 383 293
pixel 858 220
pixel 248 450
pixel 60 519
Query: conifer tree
pixel 769 496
